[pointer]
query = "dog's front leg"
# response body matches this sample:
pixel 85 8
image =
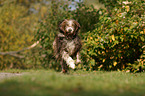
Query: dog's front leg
pixel 69 61
pixel 63 66
pixel 78 58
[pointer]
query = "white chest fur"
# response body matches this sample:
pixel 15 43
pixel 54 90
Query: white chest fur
pixel 70 46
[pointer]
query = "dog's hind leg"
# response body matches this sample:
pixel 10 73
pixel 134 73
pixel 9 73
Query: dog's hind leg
pixel 63 66
pixel 78 58
pixel 69 61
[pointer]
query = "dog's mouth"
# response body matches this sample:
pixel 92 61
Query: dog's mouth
pixel 70 30
pixel 69 33
pixel 69 36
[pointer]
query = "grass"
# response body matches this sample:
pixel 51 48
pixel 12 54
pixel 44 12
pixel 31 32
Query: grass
pixel 78 83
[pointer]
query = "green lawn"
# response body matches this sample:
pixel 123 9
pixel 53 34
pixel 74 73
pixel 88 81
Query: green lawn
pixel 78 83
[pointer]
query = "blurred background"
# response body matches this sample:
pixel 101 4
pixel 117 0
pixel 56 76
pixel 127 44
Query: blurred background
pixel 112 32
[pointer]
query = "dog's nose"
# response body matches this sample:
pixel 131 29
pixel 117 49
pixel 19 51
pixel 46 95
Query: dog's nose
pixel 69 30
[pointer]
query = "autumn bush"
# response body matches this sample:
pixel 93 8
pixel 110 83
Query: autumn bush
pixel 118 40
pixel 17 28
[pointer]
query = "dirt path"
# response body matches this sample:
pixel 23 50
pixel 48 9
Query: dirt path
pixel 4 75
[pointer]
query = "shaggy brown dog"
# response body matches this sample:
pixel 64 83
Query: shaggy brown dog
pixel 67 44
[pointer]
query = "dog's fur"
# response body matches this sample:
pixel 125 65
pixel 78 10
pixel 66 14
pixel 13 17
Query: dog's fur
pixel 67 44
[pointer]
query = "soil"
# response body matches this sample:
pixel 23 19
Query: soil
pixel 4 75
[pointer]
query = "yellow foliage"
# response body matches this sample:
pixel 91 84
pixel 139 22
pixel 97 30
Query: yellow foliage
pixel 16 31
pixel 115 63
pixel 113 38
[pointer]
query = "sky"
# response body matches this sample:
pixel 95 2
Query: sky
pixel 73 7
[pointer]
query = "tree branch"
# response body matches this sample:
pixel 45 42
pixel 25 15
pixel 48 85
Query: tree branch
pixel 14 53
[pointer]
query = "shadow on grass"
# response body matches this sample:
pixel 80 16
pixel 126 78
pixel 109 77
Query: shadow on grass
pixel 15 88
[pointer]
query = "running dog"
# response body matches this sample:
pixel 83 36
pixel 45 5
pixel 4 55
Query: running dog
pixel 67 44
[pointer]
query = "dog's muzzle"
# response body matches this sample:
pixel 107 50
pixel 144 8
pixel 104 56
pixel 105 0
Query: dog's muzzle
pixel 70 30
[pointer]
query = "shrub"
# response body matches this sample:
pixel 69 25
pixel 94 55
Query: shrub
pixel 118 40
pixel 87 16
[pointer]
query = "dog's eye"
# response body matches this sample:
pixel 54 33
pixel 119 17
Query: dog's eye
pixel 67 24
pixel 73 24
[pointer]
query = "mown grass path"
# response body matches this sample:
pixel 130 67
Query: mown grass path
pixel 78 83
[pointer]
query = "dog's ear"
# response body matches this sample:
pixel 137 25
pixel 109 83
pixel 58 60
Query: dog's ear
pixel 61 26
pixel 77 24
pixel 77 27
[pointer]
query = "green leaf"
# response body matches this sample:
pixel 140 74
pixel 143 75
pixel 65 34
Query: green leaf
pixel 142 38
pixel 125 28
pixel 131 36
pixel 92 62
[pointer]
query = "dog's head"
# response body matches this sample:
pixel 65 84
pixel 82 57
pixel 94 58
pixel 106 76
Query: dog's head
pixel 69 27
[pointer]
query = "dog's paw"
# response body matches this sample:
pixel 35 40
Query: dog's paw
pixel 64 71
pixel 78 61
pixel 71 64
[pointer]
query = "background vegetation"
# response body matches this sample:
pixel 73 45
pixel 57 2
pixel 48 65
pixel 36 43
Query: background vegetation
pixel 118 40
pixel 112 34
